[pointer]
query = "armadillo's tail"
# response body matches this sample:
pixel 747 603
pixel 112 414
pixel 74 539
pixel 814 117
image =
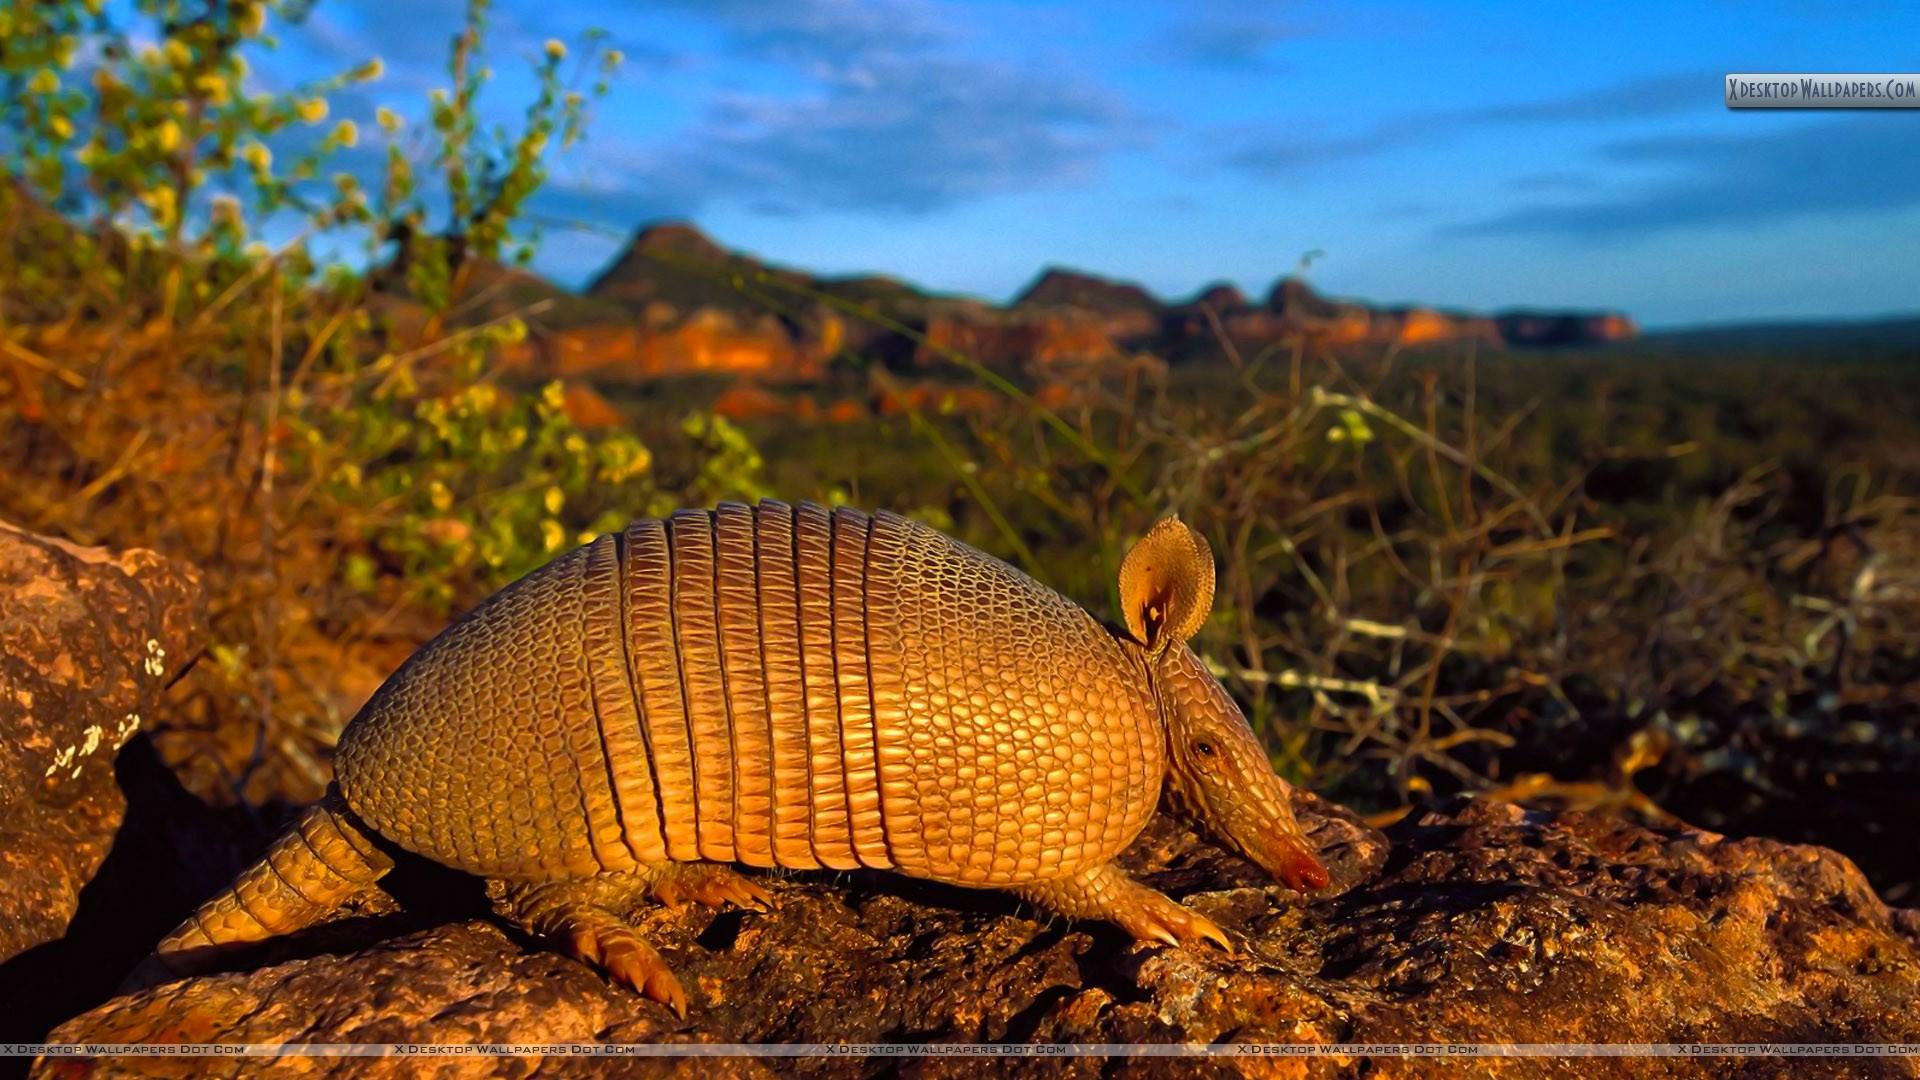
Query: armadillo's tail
pixel 322 862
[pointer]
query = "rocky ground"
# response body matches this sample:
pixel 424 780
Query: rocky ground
pixel 1471 920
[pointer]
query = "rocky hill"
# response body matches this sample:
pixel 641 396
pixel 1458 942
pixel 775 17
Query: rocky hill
pixel 676 302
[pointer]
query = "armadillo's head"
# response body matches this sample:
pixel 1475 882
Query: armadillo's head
pixel 1217 771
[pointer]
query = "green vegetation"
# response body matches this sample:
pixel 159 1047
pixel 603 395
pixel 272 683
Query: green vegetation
pixel 331 447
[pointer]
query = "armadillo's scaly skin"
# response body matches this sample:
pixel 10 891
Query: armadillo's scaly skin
pixel 771 685
pixel 784 686
pixel 315 866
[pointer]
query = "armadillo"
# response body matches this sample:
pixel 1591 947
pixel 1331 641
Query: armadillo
pixel 783 686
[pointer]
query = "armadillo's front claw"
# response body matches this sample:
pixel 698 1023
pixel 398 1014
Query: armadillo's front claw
pixel 1103 892
pixel 1173 924
pixel 712 884
pixel 1213 933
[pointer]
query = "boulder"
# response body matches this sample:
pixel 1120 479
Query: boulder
pixel 1481 922
pixel 88 640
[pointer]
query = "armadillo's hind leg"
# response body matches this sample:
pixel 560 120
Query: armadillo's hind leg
pixel 712 884
pixel 585 917
pixel 1106 892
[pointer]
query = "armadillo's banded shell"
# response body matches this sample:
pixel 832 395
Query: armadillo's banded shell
pixel 772 685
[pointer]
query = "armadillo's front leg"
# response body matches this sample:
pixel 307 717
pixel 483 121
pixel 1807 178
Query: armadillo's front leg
pixel 1106 892
pixel 584 916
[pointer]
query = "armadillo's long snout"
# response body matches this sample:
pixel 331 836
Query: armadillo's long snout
pixel 1303 871
pixel 1251 813
pixel 1288 856
pixel 1219 772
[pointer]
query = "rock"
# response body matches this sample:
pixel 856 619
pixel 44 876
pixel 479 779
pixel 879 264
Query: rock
pixel 1219 296
pixel 88 640
pixel 935 399
pixel 676 263
pixel 668 342
pixel 1059 287
pixel 1487 923
pixel 846 411
pixel 1032 342
pixel 1125 308
pixel 746 401
pixel 589 410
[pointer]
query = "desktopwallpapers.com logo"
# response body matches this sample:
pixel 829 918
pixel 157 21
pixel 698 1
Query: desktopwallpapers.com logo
pixel 1855 90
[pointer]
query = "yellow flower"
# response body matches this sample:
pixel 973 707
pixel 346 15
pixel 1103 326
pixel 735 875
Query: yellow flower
pixel 61 127
pixel 556 50
pixel 371 70
pixel 258 156
pixel 45 81
pixel 553 395
pixel 312 110
pixel 167 136
pixel 162 204
pixel 346 133
pixel 555 500
pixel 552 535
pixel 213 88
pixel 388 119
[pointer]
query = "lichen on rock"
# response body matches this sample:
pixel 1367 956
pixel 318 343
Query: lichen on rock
pixel 85 635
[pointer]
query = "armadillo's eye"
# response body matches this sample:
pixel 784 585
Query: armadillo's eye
pixel 1202 748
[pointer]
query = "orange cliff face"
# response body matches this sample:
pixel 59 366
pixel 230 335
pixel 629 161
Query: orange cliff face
pixel 1025 341
pixel 708 341
pixel 676 303
pixel 1423 326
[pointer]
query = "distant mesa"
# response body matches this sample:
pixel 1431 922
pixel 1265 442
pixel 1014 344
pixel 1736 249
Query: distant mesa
pixel 1554 328
pixel 1217 297
pixel 675 302
pixel 1060 287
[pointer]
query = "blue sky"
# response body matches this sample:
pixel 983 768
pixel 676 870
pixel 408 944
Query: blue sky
pixel 1478 155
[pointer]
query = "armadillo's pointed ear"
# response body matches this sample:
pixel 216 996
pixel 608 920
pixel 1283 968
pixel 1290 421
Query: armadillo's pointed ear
pixel 1166 584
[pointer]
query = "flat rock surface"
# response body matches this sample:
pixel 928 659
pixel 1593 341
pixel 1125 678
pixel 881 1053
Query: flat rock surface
pixel 88 640
pixel 1483 922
